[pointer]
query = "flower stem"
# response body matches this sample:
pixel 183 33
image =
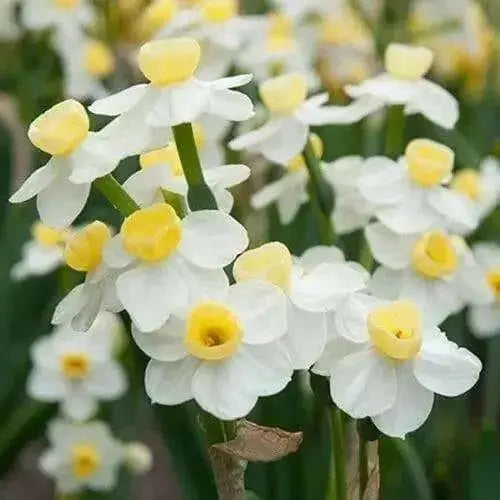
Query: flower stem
pixel 491 401
pixel 320 195
pixel 116 195
pixel 199 195
pixel 339 456
pixel 395 131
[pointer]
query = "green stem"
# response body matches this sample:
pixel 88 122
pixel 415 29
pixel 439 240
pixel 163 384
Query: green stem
pixel 491 386
pixel 339 456
pixel 217 431
pixel 200 197
pixel 365 256
pixel 116 195
pixel 395 131
pixel 320 195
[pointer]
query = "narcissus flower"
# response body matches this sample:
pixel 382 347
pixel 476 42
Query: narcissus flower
pixel 79 157
pixel 434 269
pixel 170 261
pixel 77 369
pixel 84 252
pixel 81 456
pixel 173 96
pixel 223 351
pixel 404 83
pixel 484 320
pixel 311 291
pixel 391 365
pixel 43 253
pixel 409 195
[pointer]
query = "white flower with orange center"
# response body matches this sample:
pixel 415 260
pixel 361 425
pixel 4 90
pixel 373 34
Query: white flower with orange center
pixel 484 320
pixel 167 262
pixel 77 369
pixel 43 253
pixel 390 365
pixel 314 285
pixel 223 350
pixel 173 96
pixel 434 269
pixel 161 170
pixel 410 196
pixel 81 456
pixel 403 83
pixel 79 157
pixel 83 252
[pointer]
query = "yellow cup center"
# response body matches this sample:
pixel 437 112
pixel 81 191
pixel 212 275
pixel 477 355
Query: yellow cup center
pixel 83 250
pixel 61 129
pixel 168 156
pixel 66 4
pixel 468 183
pixel 395 329
pixel 407 62
pixel 48 236
pixel 493 278
pixel 271 262
pixel 85 460
pixel 298 163
pixel 170 61
pixel 219 11
pixel 429 162
pixel 75 365
pixel 156 15
pixel 98 59
pixel 344 29
pixel 434 255
pixel 284 94
pixel 280 33
pixel 213 332
pixel 152 233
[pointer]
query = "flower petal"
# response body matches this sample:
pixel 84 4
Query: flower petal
pixel 230 104
pixel 120 102
pixel 107 381
pixel 39 180
pixel 484 320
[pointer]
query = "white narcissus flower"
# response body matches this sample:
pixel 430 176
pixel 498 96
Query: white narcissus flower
pixel 391 364
pixel 145 112
pixel 409 196
pixel 77 369
pixel 434 269
pixel 81 456
pixel 290 191
pixel 79 157
pixel 481 186
pixel 223 351
pixel 84 252
pixel 313 289
pixel 404 84
pixel 167 262
pixel 284 136
pixel 162 170
pixel 42 254
pixel 484 320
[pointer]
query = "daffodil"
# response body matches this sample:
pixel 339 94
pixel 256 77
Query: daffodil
pixel 43 253
pixel 77 369
pixel 166 261
pixel 79 157
pixel 173 96
pixel 484 320
pixel 392 363
pixel 223 350
pixel 81 456
pixel 403 83
pixel 434 269
pixel 83 252
pixel 318 286
pixel 162 170
pixel 410 196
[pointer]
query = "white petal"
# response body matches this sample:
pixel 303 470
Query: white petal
pixel 251 139
pixel 363 384
pixel 336 349
pixel 224 199
pixel 389 248
pixel 289 204
pixel 36 182
pixel 71 305
pixel 386 87
pixel 211 238
pixel 231 82
pixel 46 385
pixel 412 406
pixel 261 308
pixel 273 191
pixel 107 381
pixel 484 320
pixel 487 254
pixel 120 102
pixel 150 293
pixel 79 405
pixel 346 219
pixel 170 383
pixel 144 184
pixel 61 202
pixel 114 255
pixel 226 176
pixel 442 367
pixel 230 104
pixel 320 254
pixel 386 283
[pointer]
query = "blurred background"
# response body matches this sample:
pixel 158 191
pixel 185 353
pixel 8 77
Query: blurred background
pixel 455 455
